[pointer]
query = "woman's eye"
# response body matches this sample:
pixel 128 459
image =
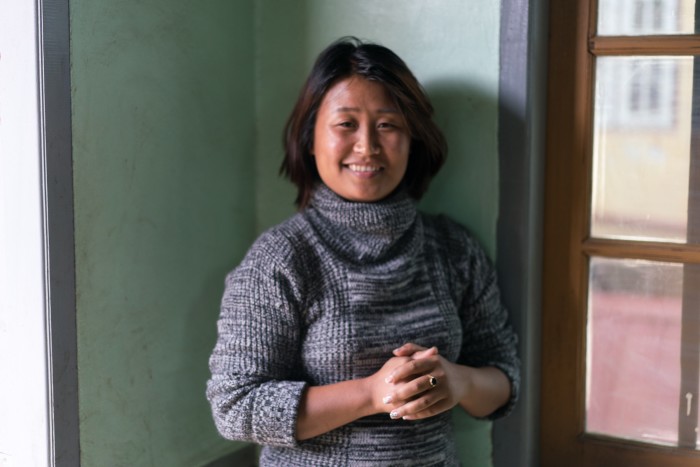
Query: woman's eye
pixel 346 124
pixel 386 125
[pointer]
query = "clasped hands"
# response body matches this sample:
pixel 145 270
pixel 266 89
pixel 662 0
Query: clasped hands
pixel 402 387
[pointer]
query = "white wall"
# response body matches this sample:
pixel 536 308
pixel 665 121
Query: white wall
pixel 23 371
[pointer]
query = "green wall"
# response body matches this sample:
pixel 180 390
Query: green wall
pixel 163 147
pixel 178 108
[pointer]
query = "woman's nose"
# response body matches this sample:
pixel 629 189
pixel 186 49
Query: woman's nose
pixel 366 143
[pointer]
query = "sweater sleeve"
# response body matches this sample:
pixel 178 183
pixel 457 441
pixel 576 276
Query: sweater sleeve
pixel 487 337
pixel 253 393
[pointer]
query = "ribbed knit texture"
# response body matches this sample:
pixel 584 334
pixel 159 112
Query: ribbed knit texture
pixel 324 297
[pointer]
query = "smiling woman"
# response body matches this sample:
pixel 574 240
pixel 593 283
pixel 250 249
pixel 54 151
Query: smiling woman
pixel 352 80
pixel 361 142
pixel 350 330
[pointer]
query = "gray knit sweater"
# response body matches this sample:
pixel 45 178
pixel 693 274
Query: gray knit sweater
pixel 324 297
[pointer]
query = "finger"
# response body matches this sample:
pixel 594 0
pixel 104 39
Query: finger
pixel 413 388
pixel 425 353
pixel 415 408
pixel 408 349
pixel 435 409
pixel 411 368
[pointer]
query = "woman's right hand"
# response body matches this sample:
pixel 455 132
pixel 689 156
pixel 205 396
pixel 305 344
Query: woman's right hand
pixel 324 408
pixel 380 386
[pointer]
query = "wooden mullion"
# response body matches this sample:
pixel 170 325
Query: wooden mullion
pixel 604 450
pixel 653 251
pixel 567 208
pixel 592 18
pixel 645 45
pixel 564 267
pixel 690 324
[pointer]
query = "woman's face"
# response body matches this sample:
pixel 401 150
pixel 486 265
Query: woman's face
pixel 361 141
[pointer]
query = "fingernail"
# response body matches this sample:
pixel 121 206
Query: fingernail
pixel 389 379
pixel 387 399
pixel 395 414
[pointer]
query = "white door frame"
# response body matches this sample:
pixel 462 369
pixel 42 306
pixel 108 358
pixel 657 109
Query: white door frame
pixel 38 352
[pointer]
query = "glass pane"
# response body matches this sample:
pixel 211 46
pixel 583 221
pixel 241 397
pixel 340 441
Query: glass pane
pixel 641 147
pixel 645 17
pixel 635 379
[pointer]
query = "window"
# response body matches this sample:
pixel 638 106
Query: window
pixel 621 298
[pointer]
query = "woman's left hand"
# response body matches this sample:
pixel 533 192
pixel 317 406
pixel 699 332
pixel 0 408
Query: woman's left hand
pixel 479 391
pixel 426 385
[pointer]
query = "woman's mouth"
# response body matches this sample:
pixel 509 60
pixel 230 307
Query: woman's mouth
pixel 364 168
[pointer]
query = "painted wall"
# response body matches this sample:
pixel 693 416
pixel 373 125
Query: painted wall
pixel 452 47
pixel 178 113
pixel 164 172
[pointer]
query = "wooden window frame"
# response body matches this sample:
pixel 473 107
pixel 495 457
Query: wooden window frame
pixel 573 47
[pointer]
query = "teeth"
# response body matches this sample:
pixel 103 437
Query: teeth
pixel 363 168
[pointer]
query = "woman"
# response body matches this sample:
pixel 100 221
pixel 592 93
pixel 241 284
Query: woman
pixel 350 330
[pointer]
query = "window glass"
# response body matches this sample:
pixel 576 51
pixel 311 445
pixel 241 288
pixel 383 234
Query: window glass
pixel 635 387
pixel 645 17
pixel 641 148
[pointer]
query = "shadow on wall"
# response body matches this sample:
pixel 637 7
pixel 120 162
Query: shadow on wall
pixel 466 189
pixel 245 457
pixel 467 186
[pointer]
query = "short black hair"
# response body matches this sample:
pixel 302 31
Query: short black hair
pixel 346 57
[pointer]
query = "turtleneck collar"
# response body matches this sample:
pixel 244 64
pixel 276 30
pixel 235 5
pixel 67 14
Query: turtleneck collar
pixel 363 232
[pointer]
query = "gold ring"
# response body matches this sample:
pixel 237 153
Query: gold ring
pixel 432 380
